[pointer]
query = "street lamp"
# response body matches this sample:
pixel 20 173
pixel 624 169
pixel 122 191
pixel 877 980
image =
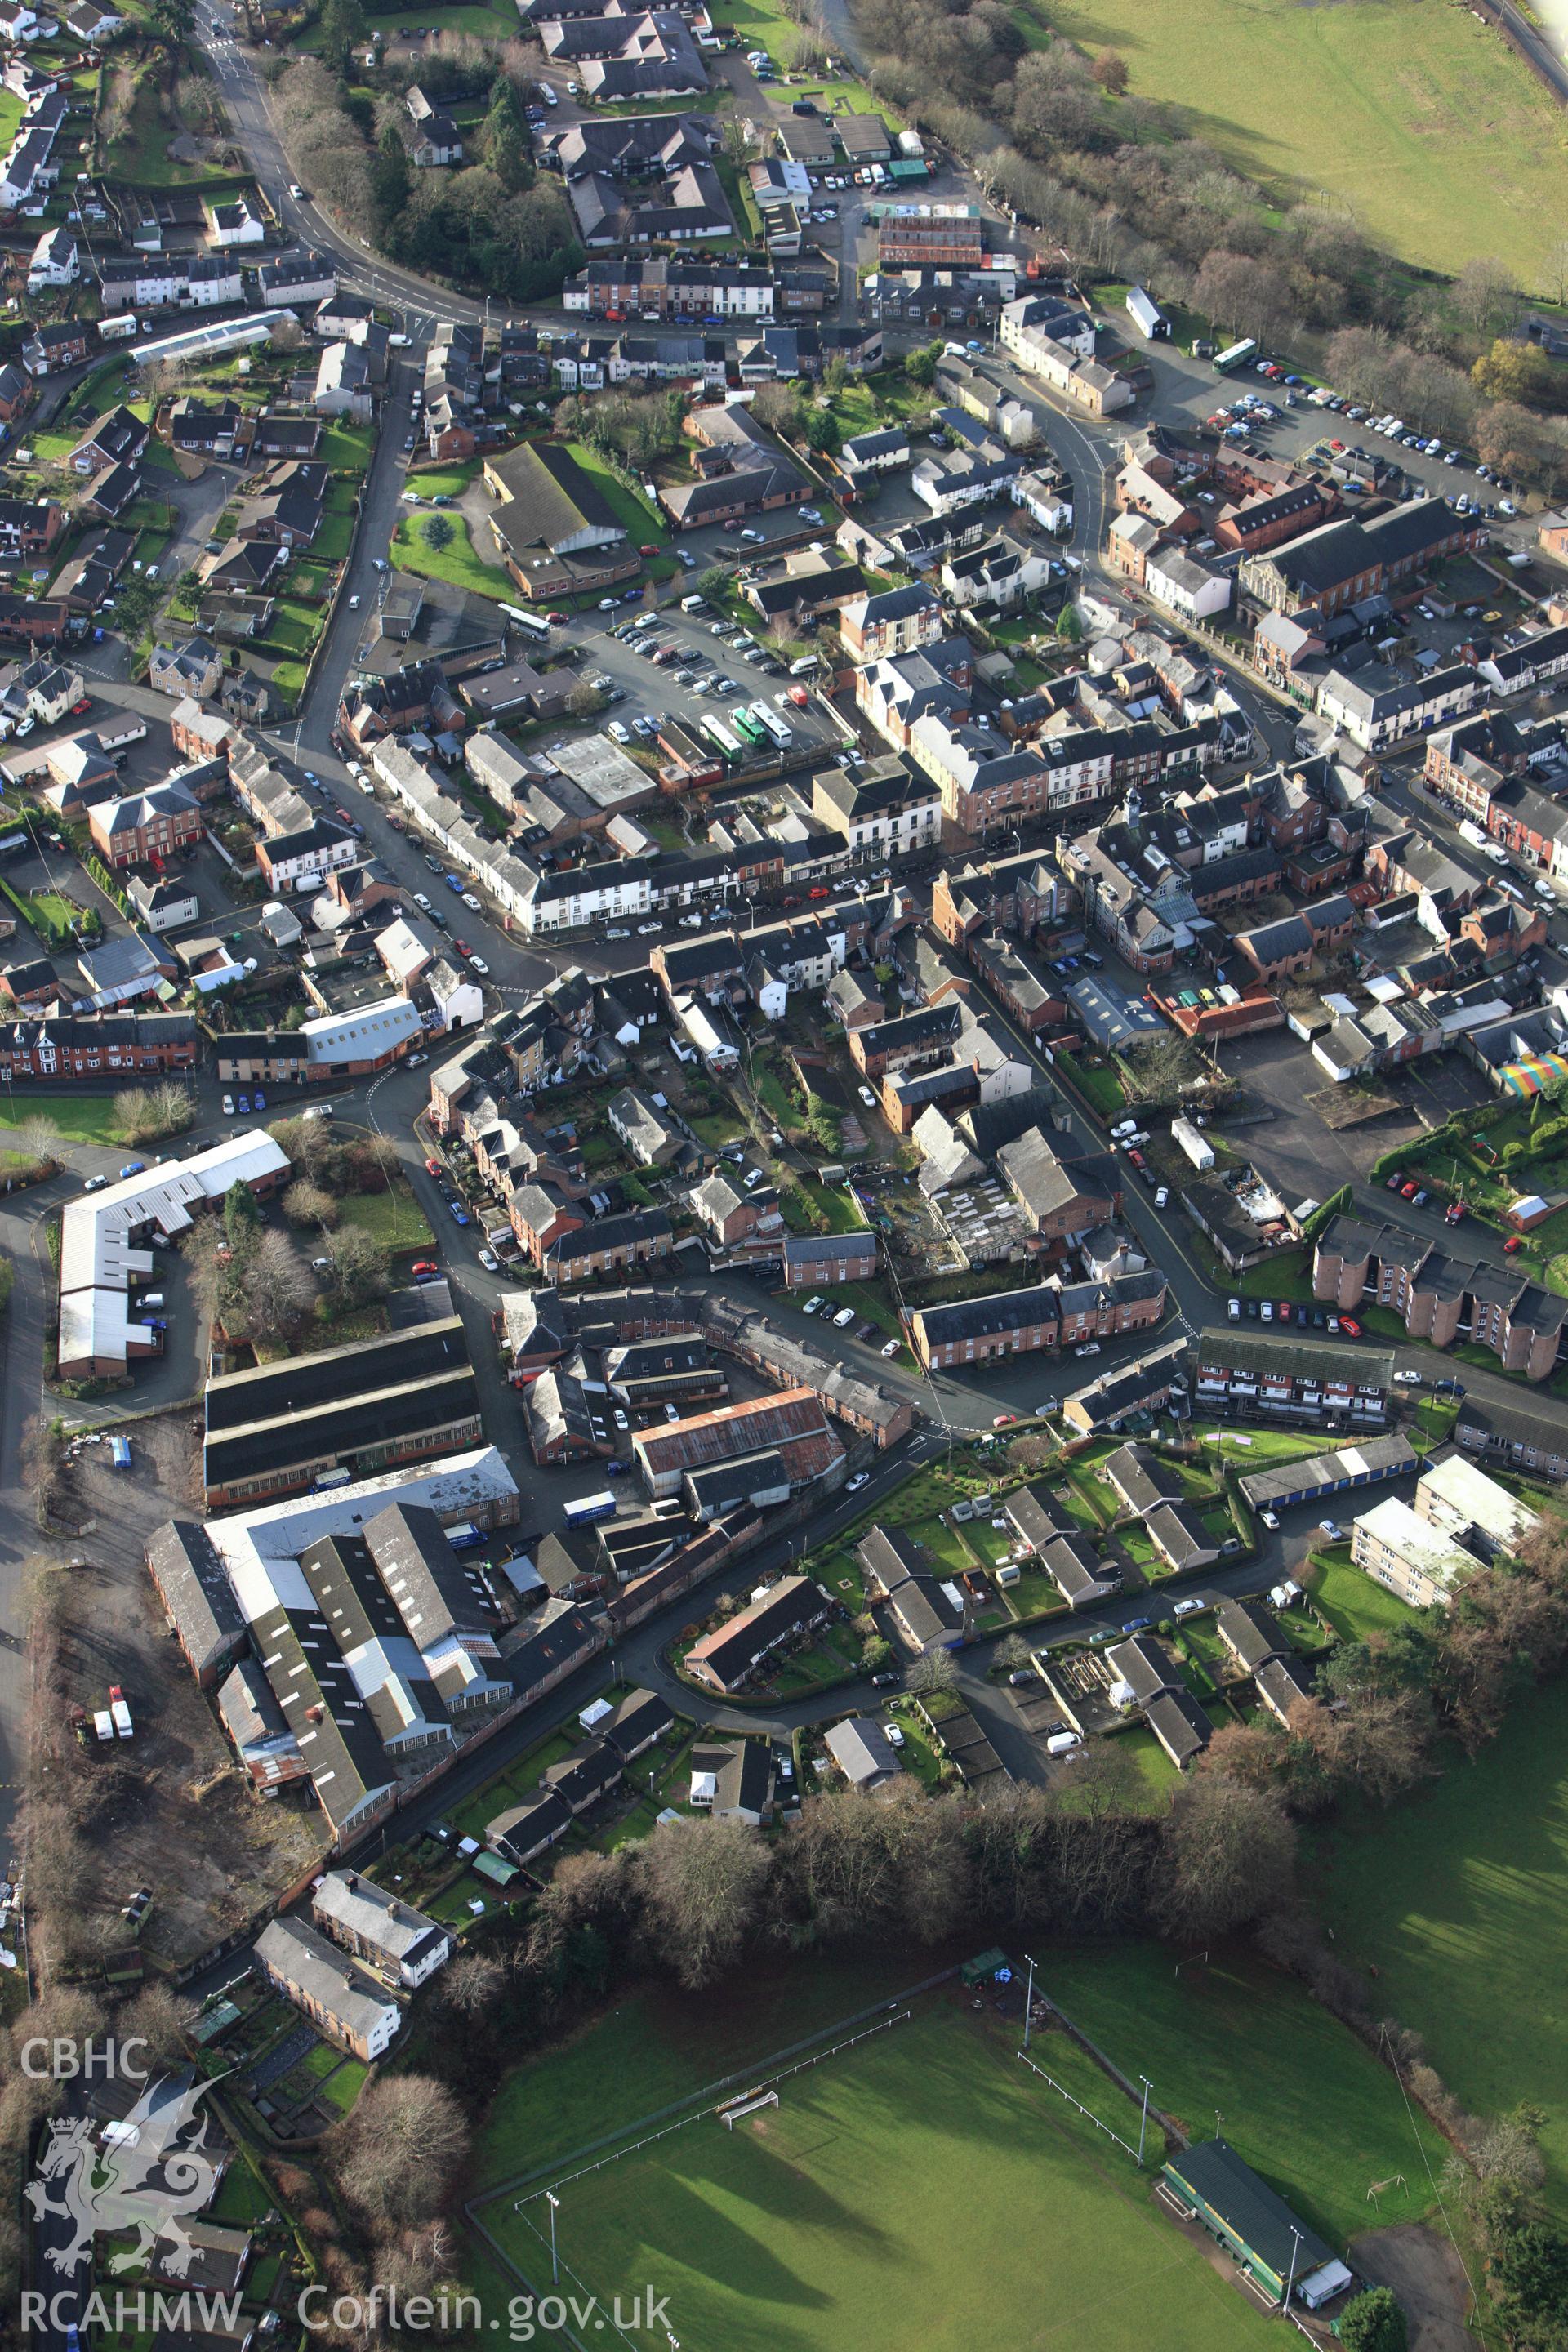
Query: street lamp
pixel 1029 2000
pixel 1290 2281
pixel 553 2203
pixel 1143 2118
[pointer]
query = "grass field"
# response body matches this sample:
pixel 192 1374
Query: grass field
pixel 1459 1897
pixel 75 1119
pixel 1418 116
pixel 898 2192
pixel 393 1218
pixel 1300 2097
pixel 659 2045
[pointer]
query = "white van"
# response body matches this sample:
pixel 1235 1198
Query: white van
pixel 694 604
pixel 1062 1743
pixel 800 669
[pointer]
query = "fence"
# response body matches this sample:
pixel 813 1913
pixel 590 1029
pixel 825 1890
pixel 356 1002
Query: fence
pixel 760 2094
pixel 1068 2096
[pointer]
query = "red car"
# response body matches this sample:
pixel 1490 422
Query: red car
pixel 649 549
pixel 734 523
pixel 425 1266
pixel 342 816
pixel 1350 1327
pixel 1285 1311
pixel 433 1168
pixel 557 620
pixel 464 949
pixel 1454 1213
pixel 1514 1243
pixel 1407 1191
pixel 1393 1183
pixel 79 710
pixel 1004 1421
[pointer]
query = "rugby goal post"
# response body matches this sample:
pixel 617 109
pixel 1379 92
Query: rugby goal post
pixel 749 2105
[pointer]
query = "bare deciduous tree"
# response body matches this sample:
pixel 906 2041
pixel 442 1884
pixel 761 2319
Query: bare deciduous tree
pixel 702 1882
pixel 1229 1852
pixel 156 2018
pixel 277 1287
pixel 305 1204
pixel 361 1269
pixel 399 2150
pixel 38 1138
pixel 933 1672
pixel 473 1983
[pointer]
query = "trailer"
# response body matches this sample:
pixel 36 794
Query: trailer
pixel 119 1712
pixel 120 1453
pixel 103 1723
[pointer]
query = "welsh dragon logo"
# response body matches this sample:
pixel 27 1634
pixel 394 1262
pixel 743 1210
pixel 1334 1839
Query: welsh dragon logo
pixel 137 2179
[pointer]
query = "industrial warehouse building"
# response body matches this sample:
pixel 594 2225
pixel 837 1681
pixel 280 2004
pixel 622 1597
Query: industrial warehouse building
pixel 280 1428
pixel 794 1421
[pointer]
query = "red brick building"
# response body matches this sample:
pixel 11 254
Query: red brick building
pixel 148 824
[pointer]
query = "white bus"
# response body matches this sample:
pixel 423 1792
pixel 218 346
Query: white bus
pixel 528 622
pixel 771 724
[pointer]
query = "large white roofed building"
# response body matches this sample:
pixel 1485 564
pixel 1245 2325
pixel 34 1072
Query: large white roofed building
pixel 100 1251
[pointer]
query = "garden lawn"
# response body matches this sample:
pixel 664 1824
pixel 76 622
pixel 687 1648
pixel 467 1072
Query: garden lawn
pixel 348 446
pixel 1300 2097
pixel 458 562
pixel 1459 1897
pixel 643 520
pixel 444 481
pixel 838 2218
pixel 1154 1776
pixel 837 1206
pixel 1100 1087
pixel 394 1218
pixel 1353 1604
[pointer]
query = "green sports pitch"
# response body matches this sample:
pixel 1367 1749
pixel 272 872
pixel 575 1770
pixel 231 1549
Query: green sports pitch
pixel 920 2188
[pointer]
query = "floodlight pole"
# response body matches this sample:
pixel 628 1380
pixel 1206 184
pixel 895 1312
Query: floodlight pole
pixel 1143 2118
pixel 1028 2001
pixel 1290 2281
pixel 552 2200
